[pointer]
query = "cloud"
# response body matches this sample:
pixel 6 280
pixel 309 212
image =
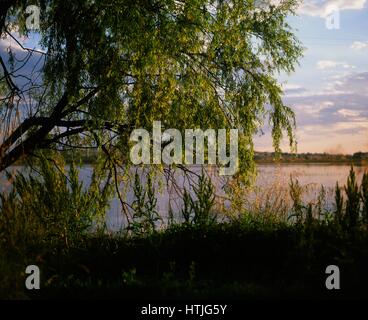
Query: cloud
pixel 311 111
pixel 356 83
pixel 318 8
pixel 337 128
pixel 326 64
pixel 291 89
pixel 359 45
pixel 330 64
pixel 346 113
pixel 336 114
pixel 292 86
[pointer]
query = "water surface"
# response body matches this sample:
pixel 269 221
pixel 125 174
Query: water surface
pixel 272 180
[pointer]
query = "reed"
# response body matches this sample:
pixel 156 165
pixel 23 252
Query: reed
pixel 364 192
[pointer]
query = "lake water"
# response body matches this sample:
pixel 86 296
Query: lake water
pixel 272 182
pixel 272 185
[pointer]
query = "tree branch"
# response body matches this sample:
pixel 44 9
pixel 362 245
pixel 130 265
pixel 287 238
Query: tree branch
pixel 8 78
pixel 35 139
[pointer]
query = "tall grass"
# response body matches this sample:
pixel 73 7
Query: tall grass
pixel 197 209
pixel 352 211
pixel 50 206
pixel 50 213
pixel 364 193
pixel 350 204
pixel 145 215
pixel 48 209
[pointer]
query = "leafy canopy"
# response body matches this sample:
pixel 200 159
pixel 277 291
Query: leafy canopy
pixel 123 64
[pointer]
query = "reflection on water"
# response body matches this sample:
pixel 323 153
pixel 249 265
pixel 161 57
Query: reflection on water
pixel 307 174
pixel 270 178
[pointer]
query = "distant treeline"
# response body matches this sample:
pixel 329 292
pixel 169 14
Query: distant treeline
pixel 311 157
pixel 89 157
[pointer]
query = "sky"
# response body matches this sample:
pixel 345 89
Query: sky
pixel 329 90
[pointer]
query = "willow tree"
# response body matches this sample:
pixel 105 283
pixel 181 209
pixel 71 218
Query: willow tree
pixel 106 67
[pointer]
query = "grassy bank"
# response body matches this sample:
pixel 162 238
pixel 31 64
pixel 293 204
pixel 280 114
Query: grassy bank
pixel 244 259
pixel 47 221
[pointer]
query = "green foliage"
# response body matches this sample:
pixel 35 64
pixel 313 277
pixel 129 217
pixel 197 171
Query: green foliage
pixel 50 206
pixel 353 201
pixel 339 204
pixel 349 215
pixel 281 259
pixel 197 209
pixel 364 191
pixel 46 211
pixel 353 215
pixel 145 214
pixel 296 192
pixel 129 277
pixel 321 203
pixel 186 211
pixel 214 63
